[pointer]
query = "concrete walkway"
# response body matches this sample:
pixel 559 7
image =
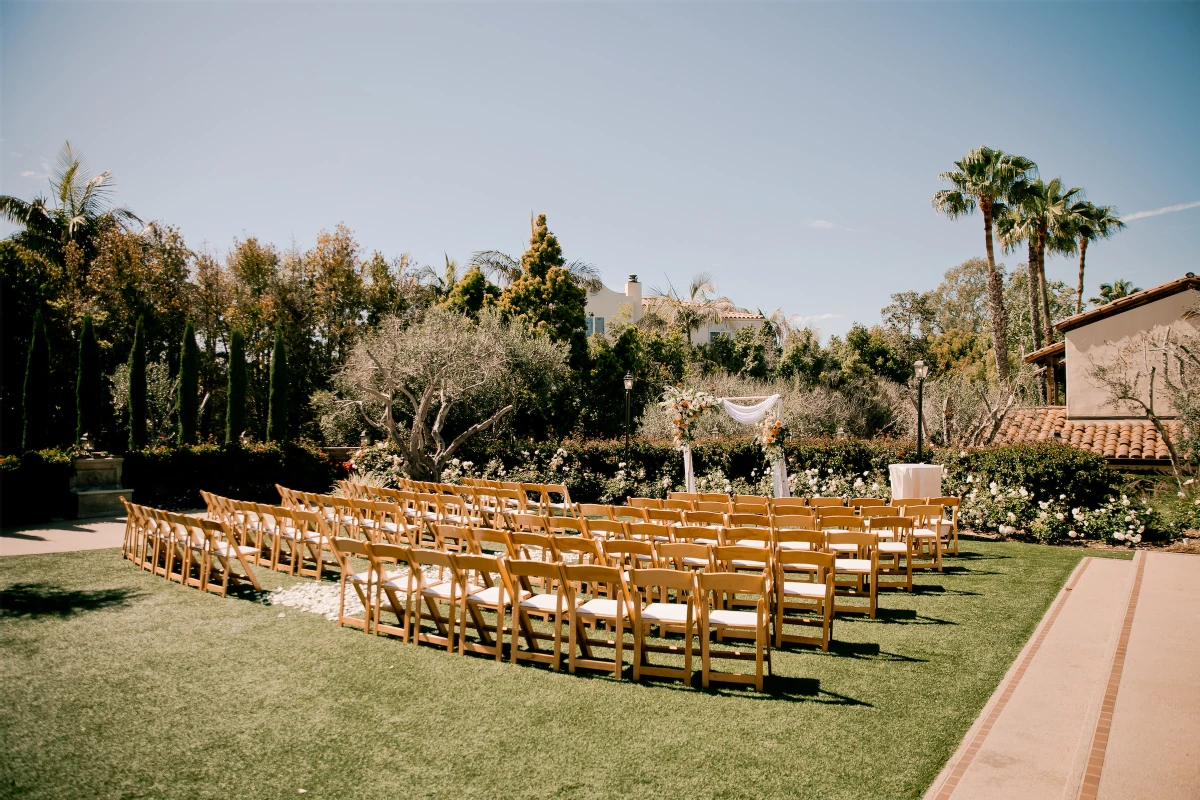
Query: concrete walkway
pixel 63 536
pixel 1103 701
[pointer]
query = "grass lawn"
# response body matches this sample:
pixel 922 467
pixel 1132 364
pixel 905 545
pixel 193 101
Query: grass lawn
pixel 118 684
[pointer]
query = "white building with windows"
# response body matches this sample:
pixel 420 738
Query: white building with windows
pixel 605 305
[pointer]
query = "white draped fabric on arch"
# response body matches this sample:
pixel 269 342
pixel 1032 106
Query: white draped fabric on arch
pixel 747 415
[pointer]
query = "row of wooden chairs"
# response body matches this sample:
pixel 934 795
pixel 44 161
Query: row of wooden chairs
pixel 203 553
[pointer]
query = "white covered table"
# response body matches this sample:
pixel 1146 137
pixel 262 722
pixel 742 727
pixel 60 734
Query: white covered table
pixel 915 481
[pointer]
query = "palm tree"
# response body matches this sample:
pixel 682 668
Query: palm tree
pixel 80 210
pixel 1041 215
pixel 1091 222
pixel 688 311
pixel 1114 291
pixel 984 179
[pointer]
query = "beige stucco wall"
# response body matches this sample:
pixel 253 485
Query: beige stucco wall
pixel 1098 342
pixel 704 334
pixel 608 304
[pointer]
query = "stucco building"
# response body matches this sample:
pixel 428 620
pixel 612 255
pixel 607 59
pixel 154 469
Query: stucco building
pixel 605 305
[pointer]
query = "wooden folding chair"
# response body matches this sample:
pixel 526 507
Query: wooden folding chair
pixel 550 604
pixel 826 502
pixel 648 532
pixel 741 520
pixel 594 511
pixel 948 527
pixel 576 550
pixel 314 537
pixel 859 503
pixel 451 538
pixel 751 504
pixel 650 592
pixel 678 505
pixel 566 526
pixel 713 586
pixel 798 539
pixel 607 604
pixel 627 554
pixel 485 587
pixel 287 498
pixel 809 591
pixel 713 497
pixel 713 506
pixel 691 497
pixel 557 500
pixel 183 563
pixel 644 502
pixel 629 514
pixel 431 594
pixel 895 549
pixel 529 523
pixel 806 521
pixel 490 541
pixel 926 535
pixel 390 563
pixel 364 583
pixel 787 505
pixel 857 575
pixel 664 516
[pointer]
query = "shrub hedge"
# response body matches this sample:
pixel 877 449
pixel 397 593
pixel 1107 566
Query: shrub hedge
pixel 34 487
pixel 172 477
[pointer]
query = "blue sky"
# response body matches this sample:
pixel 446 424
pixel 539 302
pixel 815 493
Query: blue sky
pixel 789 149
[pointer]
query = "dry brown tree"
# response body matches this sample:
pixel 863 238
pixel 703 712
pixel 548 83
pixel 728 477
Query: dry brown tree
pixel 406 377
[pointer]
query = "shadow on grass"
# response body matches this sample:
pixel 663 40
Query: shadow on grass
pixel 868 651
pixel 906 616
pixel 967 555
pixel 775 687
pixel 938 589
pixel 33 600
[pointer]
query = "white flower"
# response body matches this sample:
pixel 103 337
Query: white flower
pixel 970 479
pixel 1124 500
pixel 1012 517
pixel 1119 536
pixel 1129 518
pixel 621 465
pixel 1141 529
pixel 1043 504
pixel 1062 497
pixel 1137 538
pixel 1072 534
pixel 962 454
pixel 1182 494
pixel 1060 516
pixel 1024 493
pixel 468 464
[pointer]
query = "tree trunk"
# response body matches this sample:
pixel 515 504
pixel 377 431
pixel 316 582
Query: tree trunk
pixel 1044 288
pixel 995 288
pixel 1035 317
pixel 1083 243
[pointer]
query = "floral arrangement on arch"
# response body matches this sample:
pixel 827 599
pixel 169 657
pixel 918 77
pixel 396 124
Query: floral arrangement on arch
pixel 770 436
pixel 684 407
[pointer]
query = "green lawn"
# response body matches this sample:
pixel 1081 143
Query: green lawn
pixel 118 684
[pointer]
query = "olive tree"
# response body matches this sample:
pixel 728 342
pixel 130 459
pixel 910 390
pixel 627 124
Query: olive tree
pixel 432 383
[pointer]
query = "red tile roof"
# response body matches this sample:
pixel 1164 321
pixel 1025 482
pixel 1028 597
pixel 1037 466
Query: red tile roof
pixel 1118 438
pixel 1186 283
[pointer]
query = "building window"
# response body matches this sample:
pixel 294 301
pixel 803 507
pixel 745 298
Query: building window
pixel 712 335
pixel 595 325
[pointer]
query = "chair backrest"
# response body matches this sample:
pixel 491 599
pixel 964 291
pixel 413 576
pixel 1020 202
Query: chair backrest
pixel 478 537
pixel 604 528
pixel 751 520
pixel 530 523
pixel 807 521
pixel 712 505
pixel 418 558
pixel 879 511
pixel 382 551
pixel 671 555
pixel 646 531
pixel 754 504
pixel 600 579
pixel 924 515
pixel 865 502
pixel 826 502
pixel 481 570
pixel 521 571
pixel 761 537
pixel 692 496
pixel 594 510
pixel 952 503
pixel 678 505
pixel 531 546
pixel 710 519
pixel 900 526
pixel 713 497
pixel 666 515
pixel 845 522
pixel 643 583
pixel 452 538
pixel 645 502
pixel 623 553
pixel 562 526
pixel 629 513
pixel 797 537
pixel 287 498
pixel 346 548
pixel 818 564
pixel 577 549
pixel 510 499
pixel 785 505
pixel 715 586
pixel 865 542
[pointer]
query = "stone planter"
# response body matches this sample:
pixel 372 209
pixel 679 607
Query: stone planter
pixel 96 486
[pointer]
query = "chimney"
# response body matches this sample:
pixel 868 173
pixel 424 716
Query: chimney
pixel 633 292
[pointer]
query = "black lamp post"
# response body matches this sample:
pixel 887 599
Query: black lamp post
pixel 922 372
pixel 628 389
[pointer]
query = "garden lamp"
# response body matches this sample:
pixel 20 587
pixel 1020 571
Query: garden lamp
pixel 364 439
pixel 921 370
pixel 628 389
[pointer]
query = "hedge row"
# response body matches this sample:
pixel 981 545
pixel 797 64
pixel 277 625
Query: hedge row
pixel 34 487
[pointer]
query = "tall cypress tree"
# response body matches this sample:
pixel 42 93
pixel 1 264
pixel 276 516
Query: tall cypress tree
pixel 35 423
pixel 277 413
pixel 87 384
pixel 138 406
pixel 235 408
pixel 188 401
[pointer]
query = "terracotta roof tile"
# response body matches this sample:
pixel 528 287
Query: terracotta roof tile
pixel 1118 438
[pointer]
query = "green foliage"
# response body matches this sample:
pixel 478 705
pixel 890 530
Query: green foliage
pixel 172 477
pixel 235 394
pixel 1047 469
pixel 277 417
pixel 34 487
pixel 138 410
pixel 88 387
pixel 188 394
pixel 804 360
pixel 36 400
pixel 470 294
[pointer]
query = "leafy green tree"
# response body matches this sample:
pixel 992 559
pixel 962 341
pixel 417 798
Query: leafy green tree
pixel 187 402
pixel 1092 223
pixel 88 387
pixel 984 180
pixel 471 293
pixel 277 416
pixel 1110 292
pixel 36 401
pixel 547 297
pixel 235 395
pixel 804 360
pixel 138 406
